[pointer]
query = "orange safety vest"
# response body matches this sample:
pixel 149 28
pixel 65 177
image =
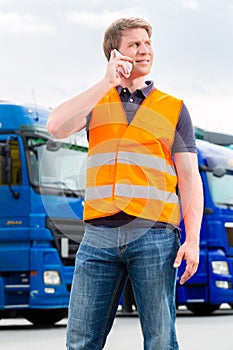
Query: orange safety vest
pixel 129 166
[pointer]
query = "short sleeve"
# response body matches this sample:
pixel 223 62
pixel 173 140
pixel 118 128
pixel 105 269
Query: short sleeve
pixel 184 140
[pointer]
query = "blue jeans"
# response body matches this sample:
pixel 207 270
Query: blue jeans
pixel 105 258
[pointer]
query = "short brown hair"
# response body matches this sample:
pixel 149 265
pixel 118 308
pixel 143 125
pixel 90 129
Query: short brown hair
pixel 113 34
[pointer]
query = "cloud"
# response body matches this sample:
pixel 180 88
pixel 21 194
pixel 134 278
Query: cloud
pixel 15 23
pixel 100 20
pixel 86 18
pixel 189 4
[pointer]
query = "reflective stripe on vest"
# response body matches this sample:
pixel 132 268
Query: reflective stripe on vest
pixel 130 158
pixel 130 167
pixel 130 192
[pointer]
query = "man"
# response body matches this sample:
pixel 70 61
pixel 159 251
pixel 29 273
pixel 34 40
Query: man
pixel 141 147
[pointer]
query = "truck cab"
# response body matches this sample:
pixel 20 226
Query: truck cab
pixel 42 182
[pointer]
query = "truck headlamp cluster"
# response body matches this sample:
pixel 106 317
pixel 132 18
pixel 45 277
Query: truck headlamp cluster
pixel 51 277
pixel 220 267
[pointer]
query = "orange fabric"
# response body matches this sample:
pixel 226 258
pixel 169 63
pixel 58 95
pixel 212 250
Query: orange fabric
pixel 114 144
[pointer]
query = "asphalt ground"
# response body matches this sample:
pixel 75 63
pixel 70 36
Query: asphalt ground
pixel 194 333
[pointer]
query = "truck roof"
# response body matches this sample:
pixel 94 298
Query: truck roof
pixel 14 116
pixel 214 155
pixel 218 138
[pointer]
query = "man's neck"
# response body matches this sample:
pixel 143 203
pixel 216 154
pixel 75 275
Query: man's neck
pixel 134 84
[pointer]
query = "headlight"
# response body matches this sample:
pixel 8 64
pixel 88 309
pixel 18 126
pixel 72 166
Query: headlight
pixel 220 267
pixel 223 284
pixel 51 277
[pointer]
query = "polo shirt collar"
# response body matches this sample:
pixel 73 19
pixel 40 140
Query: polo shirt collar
pixel 145 90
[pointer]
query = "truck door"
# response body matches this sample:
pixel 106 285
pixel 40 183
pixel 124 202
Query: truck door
pixel 14 223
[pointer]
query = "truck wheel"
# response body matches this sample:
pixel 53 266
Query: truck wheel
pixel 202 309
pixel 42 317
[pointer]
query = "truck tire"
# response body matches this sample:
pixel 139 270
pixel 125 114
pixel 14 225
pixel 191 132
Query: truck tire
pixel 202 309
pixel 45 317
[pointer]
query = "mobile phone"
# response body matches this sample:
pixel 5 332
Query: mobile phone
pixel 128 64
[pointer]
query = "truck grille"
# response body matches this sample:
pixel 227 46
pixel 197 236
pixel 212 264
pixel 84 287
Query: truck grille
pixel 67 237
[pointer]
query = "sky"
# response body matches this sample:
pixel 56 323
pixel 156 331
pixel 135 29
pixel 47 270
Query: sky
pixel 51 50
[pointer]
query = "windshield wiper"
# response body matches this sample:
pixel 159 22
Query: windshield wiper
pixel 31 147
pixel 228 205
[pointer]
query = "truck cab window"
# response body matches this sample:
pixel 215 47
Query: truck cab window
pixel 221 189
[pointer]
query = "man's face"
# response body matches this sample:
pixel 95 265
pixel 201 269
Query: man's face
pixel 136 44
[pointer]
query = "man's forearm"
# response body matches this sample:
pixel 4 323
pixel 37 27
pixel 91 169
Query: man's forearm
pixel 192 207
pixel 191 193
pixel 70 116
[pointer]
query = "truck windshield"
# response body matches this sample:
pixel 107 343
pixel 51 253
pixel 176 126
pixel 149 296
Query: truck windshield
pixel 57 165
pixel 221 189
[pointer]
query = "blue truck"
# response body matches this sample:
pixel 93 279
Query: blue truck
pixel 42 185
pixel 212 285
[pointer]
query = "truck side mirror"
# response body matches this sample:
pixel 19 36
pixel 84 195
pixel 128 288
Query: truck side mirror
pixel 219 171
pixel 6 167
pixel 6 163
pixel 53 146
